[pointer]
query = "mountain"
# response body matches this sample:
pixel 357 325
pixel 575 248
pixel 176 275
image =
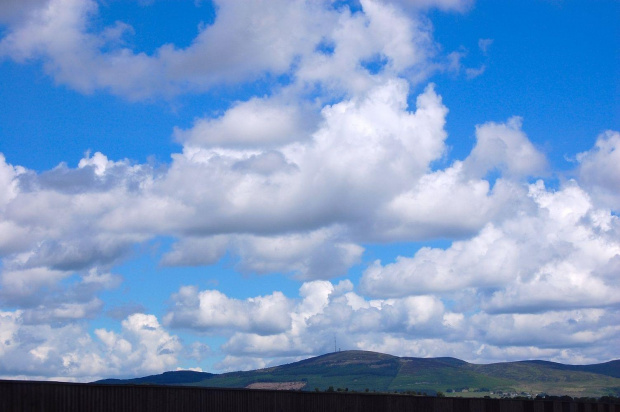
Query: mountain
pixel 166 378
pixel 361 370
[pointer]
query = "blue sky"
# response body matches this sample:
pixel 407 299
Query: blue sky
pixel 228 185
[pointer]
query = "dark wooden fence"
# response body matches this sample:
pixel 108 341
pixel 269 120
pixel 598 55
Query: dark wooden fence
pixel 26 396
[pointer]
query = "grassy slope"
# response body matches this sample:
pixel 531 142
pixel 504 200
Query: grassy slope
pixel 535 376
pixel 611 368
pixel 423 375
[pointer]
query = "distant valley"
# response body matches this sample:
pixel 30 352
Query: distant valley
pixel 361 370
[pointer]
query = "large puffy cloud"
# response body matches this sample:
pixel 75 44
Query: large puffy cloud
pixel 70 352
pixel 362 49
pixel 56 258
pixel 253 123
pixel 599 169
pixel 20 284
pixel 57 213
pixel 367 149
pixel 246 40
pixel 144 342
pixel 44 298
pixel 428 208
pixel 319 254
pixel 506 148
pixel 559 252
pixel 211 310
pixel 553 329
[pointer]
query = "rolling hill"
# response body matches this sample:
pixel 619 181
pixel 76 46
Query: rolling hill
pixel 361 370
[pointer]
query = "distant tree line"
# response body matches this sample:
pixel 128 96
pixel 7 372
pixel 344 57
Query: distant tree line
pixel 367 390
pixel 543 396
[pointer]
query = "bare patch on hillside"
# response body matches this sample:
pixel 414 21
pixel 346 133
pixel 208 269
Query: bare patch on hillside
pixel 278 386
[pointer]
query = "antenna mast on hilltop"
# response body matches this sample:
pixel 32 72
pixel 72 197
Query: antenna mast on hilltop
pixel 335 344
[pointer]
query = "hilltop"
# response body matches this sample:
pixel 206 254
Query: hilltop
pixel 361 370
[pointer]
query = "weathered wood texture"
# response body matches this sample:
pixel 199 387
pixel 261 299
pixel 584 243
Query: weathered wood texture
pixel 26 396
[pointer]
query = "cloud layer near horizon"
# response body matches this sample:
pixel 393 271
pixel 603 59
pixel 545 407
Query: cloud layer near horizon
pixel 298 182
